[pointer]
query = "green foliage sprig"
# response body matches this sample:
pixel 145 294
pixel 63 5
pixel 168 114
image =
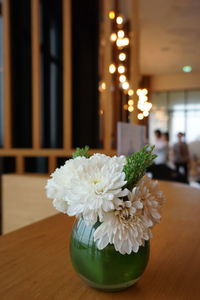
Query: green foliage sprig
pixel 81 152
pixel 136 166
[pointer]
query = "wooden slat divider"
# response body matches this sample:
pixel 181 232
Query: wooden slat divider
pixel 67 89
pixel 7 74
pixel 107 94
pixel 20 164
pixel 36 74
pixel 49 152
pixel 51 164
pixel 134 57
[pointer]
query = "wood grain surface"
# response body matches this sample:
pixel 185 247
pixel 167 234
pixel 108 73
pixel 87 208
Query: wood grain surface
pixel 35 262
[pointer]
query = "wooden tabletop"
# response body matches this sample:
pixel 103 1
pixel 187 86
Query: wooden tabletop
pixel 35 262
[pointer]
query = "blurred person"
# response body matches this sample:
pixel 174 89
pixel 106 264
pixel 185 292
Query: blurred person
pixel 161 147
pixel 181 155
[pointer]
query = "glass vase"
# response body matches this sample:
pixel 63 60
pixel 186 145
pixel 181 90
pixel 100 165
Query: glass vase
pixel 106 269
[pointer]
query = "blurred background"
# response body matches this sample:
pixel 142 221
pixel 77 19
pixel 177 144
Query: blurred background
pixel 70 70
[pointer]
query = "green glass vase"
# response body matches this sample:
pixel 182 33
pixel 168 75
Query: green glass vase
pixel 105 269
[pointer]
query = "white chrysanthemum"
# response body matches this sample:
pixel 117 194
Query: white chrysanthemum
pixel 152 198
pixel 123 227
pixel 88 186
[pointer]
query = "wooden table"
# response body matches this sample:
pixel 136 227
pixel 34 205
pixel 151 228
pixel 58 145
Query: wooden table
pixel 35 262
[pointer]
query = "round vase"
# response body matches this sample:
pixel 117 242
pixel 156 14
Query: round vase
pixel 105 269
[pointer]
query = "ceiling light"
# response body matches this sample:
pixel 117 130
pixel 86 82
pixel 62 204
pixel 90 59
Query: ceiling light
pixel 187 69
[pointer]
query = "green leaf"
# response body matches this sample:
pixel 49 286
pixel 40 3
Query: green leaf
pixel 81 152
pixel 136 166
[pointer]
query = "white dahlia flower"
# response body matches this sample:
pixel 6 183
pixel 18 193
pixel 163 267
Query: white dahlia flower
pixel 123 227
pixel 88 187
pixel 147 191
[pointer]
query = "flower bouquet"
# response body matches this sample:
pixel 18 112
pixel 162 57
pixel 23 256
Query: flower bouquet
pixel 116 206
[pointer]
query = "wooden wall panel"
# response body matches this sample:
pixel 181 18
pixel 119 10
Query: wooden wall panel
pixel 7 74
pixel 36 74
pixel 67 85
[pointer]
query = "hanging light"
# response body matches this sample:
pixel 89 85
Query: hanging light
pixel 111 14
pixel 112 68
pixel 119 43
pixel 145 113
pixel 140 116
pixel 139 92
pixel 122 56
pixel 121 69
pixel 144 91
pixel 130 108
pixel 113 37
pixel 125 85
pixel 130 92
pixel 122 78
pixel 119 20
pixel 130 102
pixel 120 34
pixel 125 106
pixel 126 41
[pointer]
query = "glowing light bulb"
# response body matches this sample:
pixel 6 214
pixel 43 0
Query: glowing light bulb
pixel 125 85
pixel 140 116
pixel 103 85
pixel 122 56
pixel 119 43
pixel 145 113
pixel 144 91
pixel 125 106
pixel 121 69
pixel 147 106
pixel 130 92
pixel 130 108
pixel 120 34
pixel 112 68
pixel 125 42
pixel 139 92
pixel 130 102
pixel 143 98
pixel 111 14
pixel 119 20
pixel 122 78
pixel 113 37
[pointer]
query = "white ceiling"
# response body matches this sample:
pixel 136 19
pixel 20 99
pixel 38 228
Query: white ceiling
pixel 169 36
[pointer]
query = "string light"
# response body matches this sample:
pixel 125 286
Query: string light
pixel 120 34
pixel 113 37
pixel 122 56
pixel 125 106
pixel 145 113
pixel 125 85
pixel 126 41
pixel 119 20
pixel 130 102
pixel 112 68
pixel 122 78
pixel 130 108
pixel 121 69
pixel 111 14
pixel 130 92
pixel 140 116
